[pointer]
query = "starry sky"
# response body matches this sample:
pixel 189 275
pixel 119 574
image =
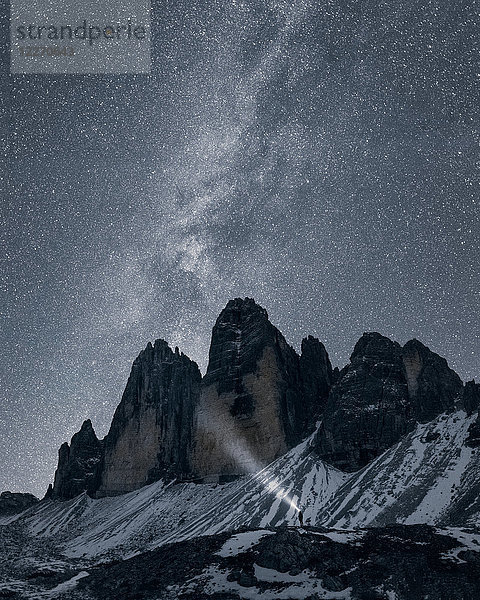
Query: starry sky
pixel 320 157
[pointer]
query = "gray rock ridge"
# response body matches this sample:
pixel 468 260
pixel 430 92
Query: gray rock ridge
pixel 380 396
pixel 12 503
pixel 79 464
pixel 151 432
pixel 257 400
pixel 252 408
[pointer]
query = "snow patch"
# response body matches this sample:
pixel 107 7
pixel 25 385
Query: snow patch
pixel 66 586
pixel 345 537
pixel 215 581
pixel 242 542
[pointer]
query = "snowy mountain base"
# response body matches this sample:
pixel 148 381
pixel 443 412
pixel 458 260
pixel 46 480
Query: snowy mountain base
pixel 420 498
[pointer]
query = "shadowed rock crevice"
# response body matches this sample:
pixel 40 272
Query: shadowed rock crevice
pixel 317 379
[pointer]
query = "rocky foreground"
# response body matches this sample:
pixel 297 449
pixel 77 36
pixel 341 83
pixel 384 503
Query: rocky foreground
pixel 400 562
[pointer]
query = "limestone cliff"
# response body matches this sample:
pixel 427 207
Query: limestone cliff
pixel 368 408
pixel 433 387
pixel 380 396
pixel 151 432
pixel 258 399
pixel 251 408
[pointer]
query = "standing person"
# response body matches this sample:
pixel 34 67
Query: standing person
pixel 300 517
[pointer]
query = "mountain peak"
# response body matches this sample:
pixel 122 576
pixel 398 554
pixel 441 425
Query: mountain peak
pixel 78 463
pixel 433 387
pixel 380 395
pixel 87 425
pixel 151 432
pixel 242 306
pixel 374 345
pixel 257 400
pixel 251 409
pixel 240 333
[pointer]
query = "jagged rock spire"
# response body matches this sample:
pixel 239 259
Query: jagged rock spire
pixel 251 408
pixel 151 431
pixel 79 464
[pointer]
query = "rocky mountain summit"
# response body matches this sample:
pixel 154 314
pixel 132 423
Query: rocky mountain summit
pixel 257 400
pixel 354 483
pixel 79 464
pixel 151 432
pixel 251 408
pixel 380 396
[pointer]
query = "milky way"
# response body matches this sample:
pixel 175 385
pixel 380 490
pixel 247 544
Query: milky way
pixel 321 158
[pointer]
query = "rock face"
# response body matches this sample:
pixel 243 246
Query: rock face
pixel 257 400
pixel 78 465
pixel 12 503
pixel 151 432
pixel 317 378
pixel 471 396
pixel 433 387
pixel 251 408
pixel 368 409
pixel 379 396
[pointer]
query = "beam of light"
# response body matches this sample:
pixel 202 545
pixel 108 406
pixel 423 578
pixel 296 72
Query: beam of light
pixel 238 450
pixel 273 486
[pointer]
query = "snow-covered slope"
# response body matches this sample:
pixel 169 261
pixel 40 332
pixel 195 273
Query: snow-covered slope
pixel 428 477
pixel 425 478
pixel 296 481
pixel 157 514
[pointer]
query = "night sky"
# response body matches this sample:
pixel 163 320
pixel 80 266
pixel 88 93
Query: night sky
pixel 320 157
